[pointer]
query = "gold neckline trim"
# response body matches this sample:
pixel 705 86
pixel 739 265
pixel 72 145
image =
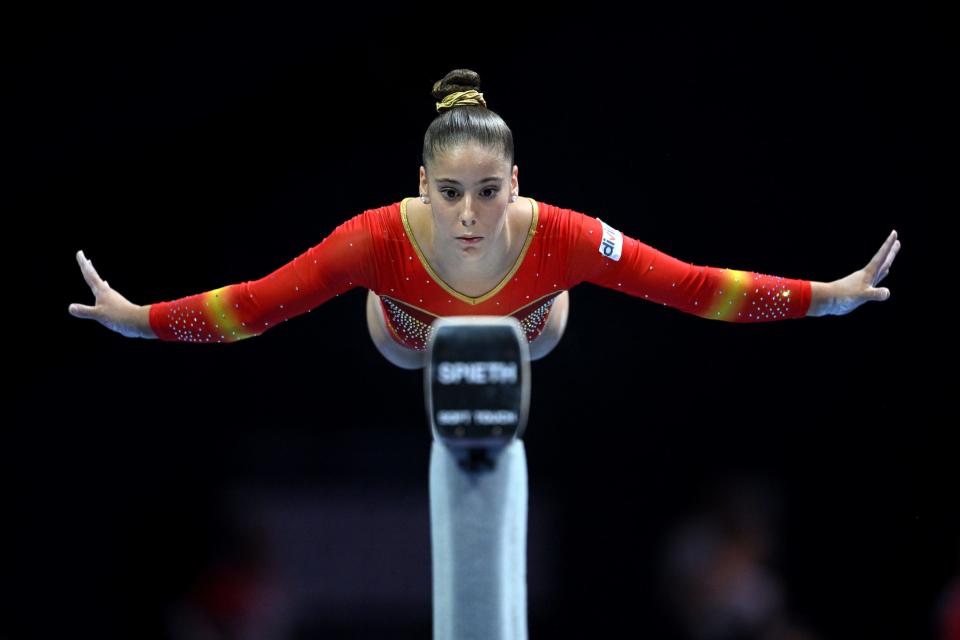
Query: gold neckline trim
pixel 459 296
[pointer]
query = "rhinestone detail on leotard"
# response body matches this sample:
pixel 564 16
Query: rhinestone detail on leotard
pixel 412 328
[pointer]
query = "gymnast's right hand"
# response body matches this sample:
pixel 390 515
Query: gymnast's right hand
pixel 111 309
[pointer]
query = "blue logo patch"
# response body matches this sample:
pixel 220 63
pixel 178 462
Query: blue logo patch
pixel 611 242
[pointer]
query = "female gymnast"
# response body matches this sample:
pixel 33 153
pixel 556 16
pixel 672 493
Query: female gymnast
pixel 470 245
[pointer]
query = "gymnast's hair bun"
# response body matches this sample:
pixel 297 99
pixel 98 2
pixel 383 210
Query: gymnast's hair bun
pixel 459 87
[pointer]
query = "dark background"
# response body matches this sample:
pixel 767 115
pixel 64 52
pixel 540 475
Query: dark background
pixel 187 150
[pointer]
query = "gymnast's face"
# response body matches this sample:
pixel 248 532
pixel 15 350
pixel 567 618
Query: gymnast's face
pixel 469 188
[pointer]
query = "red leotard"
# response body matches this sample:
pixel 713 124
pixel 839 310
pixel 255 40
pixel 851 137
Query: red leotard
pixel 376 250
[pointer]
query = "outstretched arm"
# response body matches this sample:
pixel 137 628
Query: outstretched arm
pixel 842 296
pixel 601 254
pixel 342 261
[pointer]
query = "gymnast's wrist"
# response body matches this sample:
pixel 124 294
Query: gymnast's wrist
pixel 141 320
pixel 821 298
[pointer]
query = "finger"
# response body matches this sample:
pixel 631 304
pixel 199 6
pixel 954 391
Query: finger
pixel 90 274
pixel 874 265
pixel 82 311
pixel 885 269
pixel 85 270
pixel 879 294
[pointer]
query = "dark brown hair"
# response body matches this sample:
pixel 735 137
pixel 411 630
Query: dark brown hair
pixel 465 122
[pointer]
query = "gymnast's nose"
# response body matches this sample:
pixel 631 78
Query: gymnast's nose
pixel 468 217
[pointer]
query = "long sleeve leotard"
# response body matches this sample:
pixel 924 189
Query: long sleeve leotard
pixel 377 250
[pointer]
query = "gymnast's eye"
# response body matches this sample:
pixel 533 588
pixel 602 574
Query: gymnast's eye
pixel 489 189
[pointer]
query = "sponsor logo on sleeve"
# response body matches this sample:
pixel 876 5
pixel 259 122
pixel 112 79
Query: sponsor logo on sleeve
pixel 611 242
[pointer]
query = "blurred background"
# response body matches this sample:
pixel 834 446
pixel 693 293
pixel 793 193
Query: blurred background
pixel 688 479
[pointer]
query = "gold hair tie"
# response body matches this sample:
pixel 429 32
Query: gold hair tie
pixel 462 97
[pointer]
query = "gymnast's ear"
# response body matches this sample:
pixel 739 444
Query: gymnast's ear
pixel 423 184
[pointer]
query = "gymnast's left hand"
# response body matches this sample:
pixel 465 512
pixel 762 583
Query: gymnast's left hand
pixel 846 294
